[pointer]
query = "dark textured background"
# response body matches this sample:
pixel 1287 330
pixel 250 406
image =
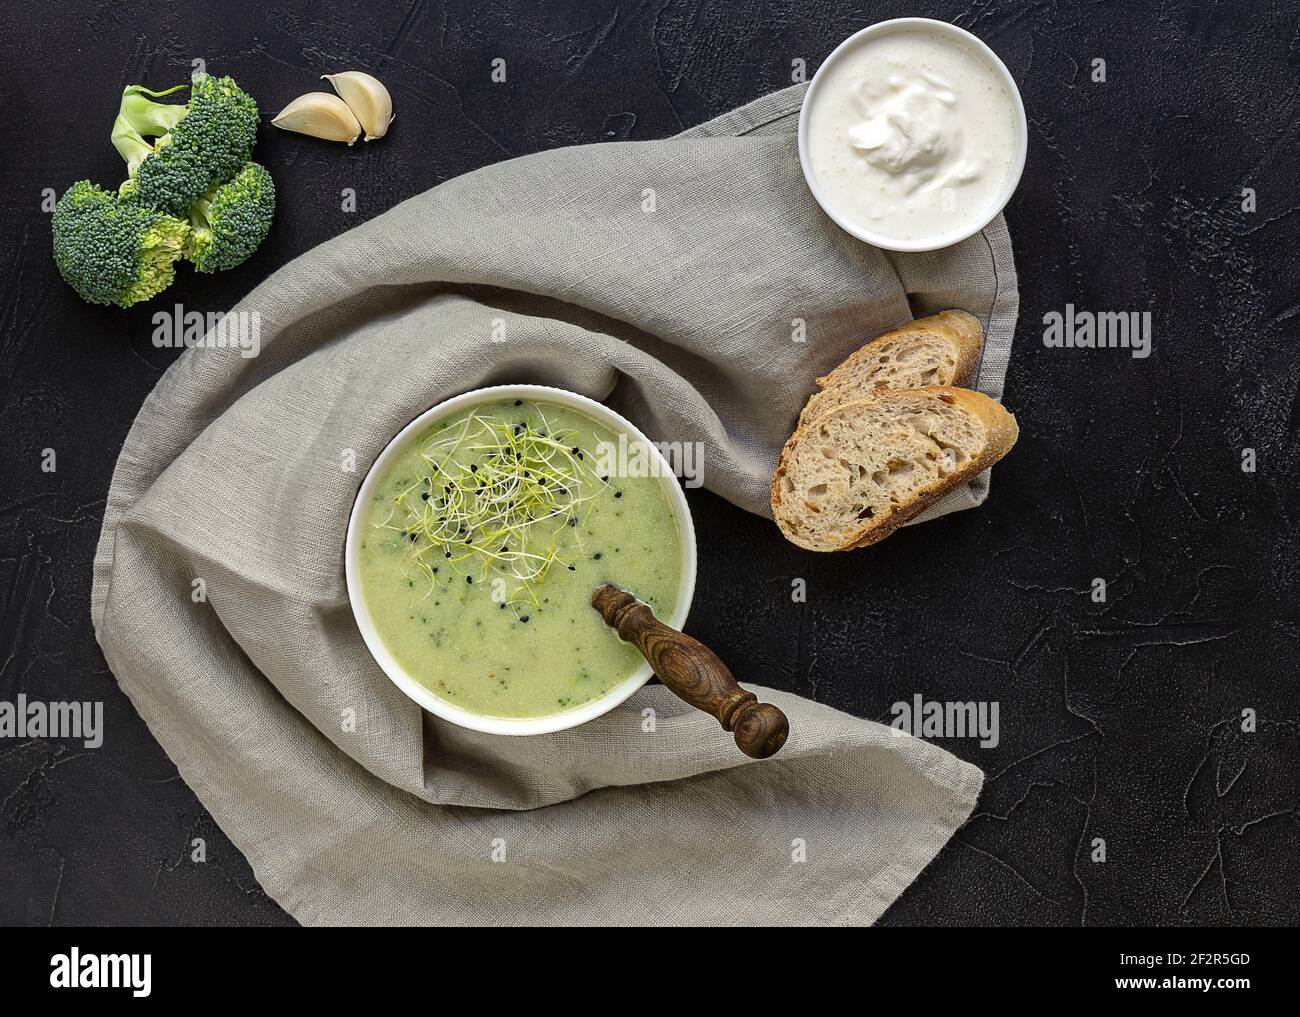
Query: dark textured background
pixel 1119 720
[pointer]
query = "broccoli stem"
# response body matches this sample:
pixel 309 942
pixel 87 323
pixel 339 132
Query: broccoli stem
pixel 139 117
pixel 149 117
pixel 130 145
pixel 199 211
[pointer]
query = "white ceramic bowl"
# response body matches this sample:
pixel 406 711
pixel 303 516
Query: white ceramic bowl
pixel 401 677
pixel 1009 185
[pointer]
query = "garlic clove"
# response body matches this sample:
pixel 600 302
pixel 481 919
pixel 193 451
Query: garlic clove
pixel 320 115
pixel 368 99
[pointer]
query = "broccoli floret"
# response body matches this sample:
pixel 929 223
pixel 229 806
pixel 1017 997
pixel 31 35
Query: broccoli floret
pixel 113 251
pixel 199 144
pixel 230 222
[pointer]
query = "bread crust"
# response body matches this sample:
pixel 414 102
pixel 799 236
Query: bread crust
pixel 1000 430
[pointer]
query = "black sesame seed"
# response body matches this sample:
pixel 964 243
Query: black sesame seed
pixel 518 402
pixel 412 538
pixel 573 522
pixel 473 467
pixel 618 494
pixel 597 556
pixel 424 495
pixel 572 568
pixel 605 479
pixel 469 579
pixel 524 618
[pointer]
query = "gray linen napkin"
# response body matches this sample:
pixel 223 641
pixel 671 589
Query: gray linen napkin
pixel 664 276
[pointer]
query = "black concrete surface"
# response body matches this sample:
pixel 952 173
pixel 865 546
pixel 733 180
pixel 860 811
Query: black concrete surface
pixel 1119 720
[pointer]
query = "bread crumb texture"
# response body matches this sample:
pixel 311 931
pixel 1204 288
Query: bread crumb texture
pixel 858 472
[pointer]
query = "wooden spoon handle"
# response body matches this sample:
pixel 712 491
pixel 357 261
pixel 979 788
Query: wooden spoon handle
pixel 694 672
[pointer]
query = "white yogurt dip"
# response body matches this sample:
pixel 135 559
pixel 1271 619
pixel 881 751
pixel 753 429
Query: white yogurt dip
pixel 913 135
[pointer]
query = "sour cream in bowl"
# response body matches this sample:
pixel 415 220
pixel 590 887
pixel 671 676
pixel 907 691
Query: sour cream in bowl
pixel 912 135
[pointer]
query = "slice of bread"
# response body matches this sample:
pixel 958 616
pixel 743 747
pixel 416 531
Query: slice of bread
pixel 942 349
pixel 854 475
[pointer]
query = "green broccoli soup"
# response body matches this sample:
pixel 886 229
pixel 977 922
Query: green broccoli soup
pixel 482 546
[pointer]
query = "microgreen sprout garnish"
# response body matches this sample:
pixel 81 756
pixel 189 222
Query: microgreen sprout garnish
pixel 493 496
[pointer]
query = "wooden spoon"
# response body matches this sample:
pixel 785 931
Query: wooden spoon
pixel 694 672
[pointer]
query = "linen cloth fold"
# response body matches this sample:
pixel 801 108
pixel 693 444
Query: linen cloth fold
pixel 672 278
